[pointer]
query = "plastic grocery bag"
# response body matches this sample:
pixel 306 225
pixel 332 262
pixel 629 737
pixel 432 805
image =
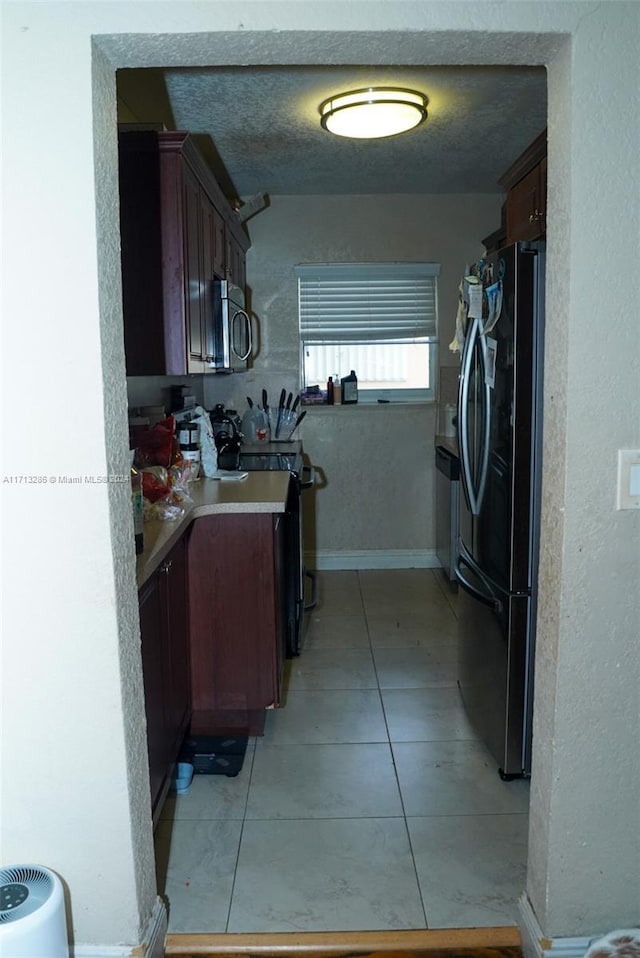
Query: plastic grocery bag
pixel 208 451
pixel 158 445
pixel 457 342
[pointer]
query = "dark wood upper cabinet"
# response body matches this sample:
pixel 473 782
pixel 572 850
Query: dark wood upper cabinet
pixel 526 185
pixel 236 262
pixel 178 233
pixel 194 272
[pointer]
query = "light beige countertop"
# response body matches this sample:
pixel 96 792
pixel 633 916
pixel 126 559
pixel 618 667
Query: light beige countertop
pixel 260 492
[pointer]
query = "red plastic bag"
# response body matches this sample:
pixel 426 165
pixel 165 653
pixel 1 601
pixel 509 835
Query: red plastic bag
pixel 158 445
pixel 155 483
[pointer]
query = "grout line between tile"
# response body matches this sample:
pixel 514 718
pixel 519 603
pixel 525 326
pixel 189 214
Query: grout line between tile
pixel 244 819
pixel 386 741
pixel 395 770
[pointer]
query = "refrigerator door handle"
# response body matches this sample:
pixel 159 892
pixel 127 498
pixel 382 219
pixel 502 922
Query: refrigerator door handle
pixel 484 468
pixel 463 417
pixel 486 598
pixel 475 490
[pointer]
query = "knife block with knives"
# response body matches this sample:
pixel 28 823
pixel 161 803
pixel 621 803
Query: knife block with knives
pixel 285 419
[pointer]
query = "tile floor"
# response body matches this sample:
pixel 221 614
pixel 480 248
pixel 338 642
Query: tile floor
pixel 369 803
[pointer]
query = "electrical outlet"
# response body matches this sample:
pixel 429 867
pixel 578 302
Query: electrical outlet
pixel 628 479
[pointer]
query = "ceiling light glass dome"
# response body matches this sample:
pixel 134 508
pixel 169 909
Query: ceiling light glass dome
pixel 373 112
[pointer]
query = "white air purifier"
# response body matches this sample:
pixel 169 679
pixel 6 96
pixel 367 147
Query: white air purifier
pixel 32 918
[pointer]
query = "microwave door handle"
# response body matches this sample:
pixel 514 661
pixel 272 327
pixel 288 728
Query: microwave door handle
pixel 249 335
pixel 242 358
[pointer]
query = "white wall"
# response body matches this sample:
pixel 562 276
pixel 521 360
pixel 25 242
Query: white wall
pixel 75 793
pixel 364 455
pixel 71 669
pixel 584 848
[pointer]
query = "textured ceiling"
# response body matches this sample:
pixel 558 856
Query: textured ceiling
pixel 259 126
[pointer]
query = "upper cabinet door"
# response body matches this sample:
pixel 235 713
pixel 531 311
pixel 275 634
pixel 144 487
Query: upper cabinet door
pixel 174 222
pixel 194 281
pixel 526 209
pixel 142 253
pixel 236 269
pixel 219 244
pixel 526 185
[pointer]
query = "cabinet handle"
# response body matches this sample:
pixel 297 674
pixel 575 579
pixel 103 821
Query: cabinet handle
pixel 535 216
pixel 164 568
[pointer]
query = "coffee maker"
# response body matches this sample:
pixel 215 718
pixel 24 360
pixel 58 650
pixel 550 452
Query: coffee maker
pixel 226 436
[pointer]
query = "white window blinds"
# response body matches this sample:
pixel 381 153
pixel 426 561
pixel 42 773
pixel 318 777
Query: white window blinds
pixel 368 303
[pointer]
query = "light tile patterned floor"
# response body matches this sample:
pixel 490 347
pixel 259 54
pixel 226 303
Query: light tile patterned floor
pixel 369 803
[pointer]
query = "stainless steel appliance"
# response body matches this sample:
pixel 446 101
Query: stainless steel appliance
pixel 447 494
pixel 232 333
pixel 296 575
pixel 499 426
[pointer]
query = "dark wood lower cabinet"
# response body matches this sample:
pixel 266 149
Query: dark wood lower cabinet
pixel 213 630
pixel 164 631
pixel 151 632
pixel 237 626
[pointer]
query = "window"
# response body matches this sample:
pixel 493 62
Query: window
pixel 379 319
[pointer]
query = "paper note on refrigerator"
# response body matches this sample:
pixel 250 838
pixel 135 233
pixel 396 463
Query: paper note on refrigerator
pixel 475 301
pixel 490 369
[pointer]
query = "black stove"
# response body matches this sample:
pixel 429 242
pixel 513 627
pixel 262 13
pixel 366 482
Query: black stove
pixel 294 572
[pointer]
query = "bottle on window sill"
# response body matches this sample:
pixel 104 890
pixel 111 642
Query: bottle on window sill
pixel 350 388
pixel 337 390
pixel 330 391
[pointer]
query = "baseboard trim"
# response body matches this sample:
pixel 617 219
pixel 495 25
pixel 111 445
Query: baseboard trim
pixel 536 945
pixel 503 941
pixel 156 931
pixel 373 559
pixel 152 946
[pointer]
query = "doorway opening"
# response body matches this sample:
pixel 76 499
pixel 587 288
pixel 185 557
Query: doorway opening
pixel 185 61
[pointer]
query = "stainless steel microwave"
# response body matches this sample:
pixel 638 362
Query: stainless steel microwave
pixel 232 334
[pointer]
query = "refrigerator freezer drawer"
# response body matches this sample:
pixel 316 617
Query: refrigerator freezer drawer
pixel 494 670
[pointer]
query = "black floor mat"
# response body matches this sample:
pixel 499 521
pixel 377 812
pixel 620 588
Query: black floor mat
pixel 214 754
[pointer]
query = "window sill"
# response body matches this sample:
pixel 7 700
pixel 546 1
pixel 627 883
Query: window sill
pixel 370 404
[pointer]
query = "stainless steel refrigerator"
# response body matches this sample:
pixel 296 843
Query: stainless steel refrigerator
pixel 500 438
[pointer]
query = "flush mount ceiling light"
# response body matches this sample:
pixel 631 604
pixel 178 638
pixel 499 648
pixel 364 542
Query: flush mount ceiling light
pixel 373 112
